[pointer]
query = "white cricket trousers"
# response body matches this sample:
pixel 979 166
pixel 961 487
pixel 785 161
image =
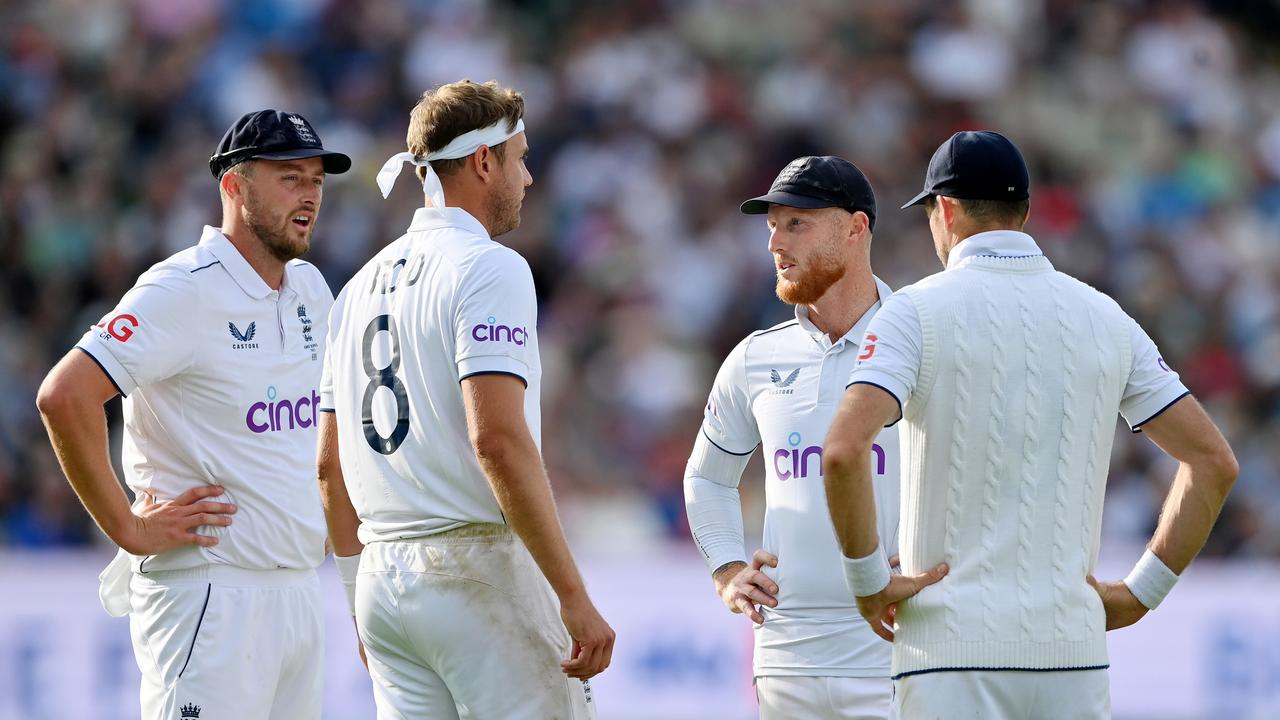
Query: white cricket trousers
pixel 462 624
pixel 790 697
pixel 228 643
pixel 1005 695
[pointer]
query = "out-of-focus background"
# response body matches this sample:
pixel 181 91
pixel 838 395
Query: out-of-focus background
pixel 1152 129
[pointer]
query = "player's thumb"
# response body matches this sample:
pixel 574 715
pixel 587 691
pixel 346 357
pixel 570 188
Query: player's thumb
pixel 929 577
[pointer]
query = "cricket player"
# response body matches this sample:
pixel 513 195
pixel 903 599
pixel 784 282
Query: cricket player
pixel 468 601
pixel 218 352
pixel 1008 375
pixel 814 656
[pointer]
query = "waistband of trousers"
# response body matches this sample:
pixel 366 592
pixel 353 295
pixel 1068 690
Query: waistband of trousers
pixel 232 575
pixel 468 533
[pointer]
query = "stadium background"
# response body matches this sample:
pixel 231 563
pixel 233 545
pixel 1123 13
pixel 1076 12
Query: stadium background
pixel 1153 134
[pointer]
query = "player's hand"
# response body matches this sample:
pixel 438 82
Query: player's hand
pixel 592 639
pixel 742 587
pixel 1122 607
pixel 162 525
pixel 881 610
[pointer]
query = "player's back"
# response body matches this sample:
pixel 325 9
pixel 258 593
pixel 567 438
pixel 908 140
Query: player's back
pixel 441 303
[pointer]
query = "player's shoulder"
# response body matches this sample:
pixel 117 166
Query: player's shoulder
pixel 1088 292
pixel 783 333
pixel 494 257
pixel 307 279
pixel 779 331
pixel 181 271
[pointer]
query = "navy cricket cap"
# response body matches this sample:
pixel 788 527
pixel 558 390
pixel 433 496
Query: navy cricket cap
pixel 818 182
pixel 979 165
pixel 273 135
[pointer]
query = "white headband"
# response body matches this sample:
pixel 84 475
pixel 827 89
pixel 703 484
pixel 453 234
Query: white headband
pixel 460 147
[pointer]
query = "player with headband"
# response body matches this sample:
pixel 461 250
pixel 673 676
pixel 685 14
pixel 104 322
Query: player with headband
pixel 466 596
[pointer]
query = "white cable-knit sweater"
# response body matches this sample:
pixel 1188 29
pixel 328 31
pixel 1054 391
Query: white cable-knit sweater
pixel 1005 448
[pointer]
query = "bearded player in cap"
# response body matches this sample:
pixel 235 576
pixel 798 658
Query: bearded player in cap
pixel 218 353
pixel 779 388
pixel 466 596
pixel 1008 376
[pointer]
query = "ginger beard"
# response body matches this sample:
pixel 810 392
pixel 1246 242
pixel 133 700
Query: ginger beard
pixel 276 230
pixel 820 270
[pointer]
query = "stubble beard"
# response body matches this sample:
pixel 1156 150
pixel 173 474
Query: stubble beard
pixel 275 236
pixel 504 212
pixel 825 269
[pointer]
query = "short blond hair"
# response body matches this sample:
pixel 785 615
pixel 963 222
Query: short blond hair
pixel 450 110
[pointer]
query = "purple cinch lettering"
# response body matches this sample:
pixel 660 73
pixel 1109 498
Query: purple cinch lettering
pixel 297 409
pixel 279 409
pixel 781 454
pixel 251 423
pixel 804 459
pixel 879 451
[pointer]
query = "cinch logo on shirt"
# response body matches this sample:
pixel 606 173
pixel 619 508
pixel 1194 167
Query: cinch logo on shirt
pixel 274 416
pixel 801 463
pixel 492 332
pixel 119 327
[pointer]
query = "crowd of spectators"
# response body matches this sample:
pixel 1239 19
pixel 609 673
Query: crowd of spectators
pixel 1152 130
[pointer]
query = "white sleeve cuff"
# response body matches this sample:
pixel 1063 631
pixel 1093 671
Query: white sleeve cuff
pixel 481 364
pixel 884 381
pixel 114 369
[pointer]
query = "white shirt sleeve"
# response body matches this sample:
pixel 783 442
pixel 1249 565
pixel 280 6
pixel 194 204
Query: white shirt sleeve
pixel 495 321
pixel 712 503
pixel 1153 386
pixel 326 370
pixel 728 421
pixel 146 338
pixel 891 351
pixel 727 438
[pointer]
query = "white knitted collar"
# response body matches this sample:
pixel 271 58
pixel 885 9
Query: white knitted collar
pixel 1000 243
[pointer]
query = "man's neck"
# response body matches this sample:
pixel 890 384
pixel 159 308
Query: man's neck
pixel 462 200
pixel 847 300
pixel 268 266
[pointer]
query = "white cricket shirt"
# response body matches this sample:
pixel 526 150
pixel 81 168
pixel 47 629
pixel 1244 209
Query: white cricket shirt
pixel 220 376
pixel 441 303
pixel 780 388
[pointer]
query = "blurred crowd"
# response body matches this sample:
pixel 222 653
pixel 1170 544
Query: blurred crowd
pixel 1152 130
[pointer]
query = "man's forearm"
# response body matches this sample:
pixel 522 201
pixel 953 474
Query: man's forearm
pixel 851 501
pixel 339 513
pixel 519 481
pixel 1189 512
pixel 78 432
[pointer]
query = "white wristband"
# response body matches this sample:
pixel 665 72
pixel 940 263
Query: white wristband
pixel 867 575
pixel 1150 580
pixel 348 568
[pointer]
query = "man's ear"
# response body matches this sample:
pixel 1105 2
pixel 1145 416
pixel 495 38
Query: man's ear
pixel 949 209
pixel 859 223
pixel 484 162
pixel 230 184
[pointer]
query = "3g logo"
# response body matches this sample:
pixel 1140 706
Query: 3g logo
pixel 120 327
pixel 868 347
